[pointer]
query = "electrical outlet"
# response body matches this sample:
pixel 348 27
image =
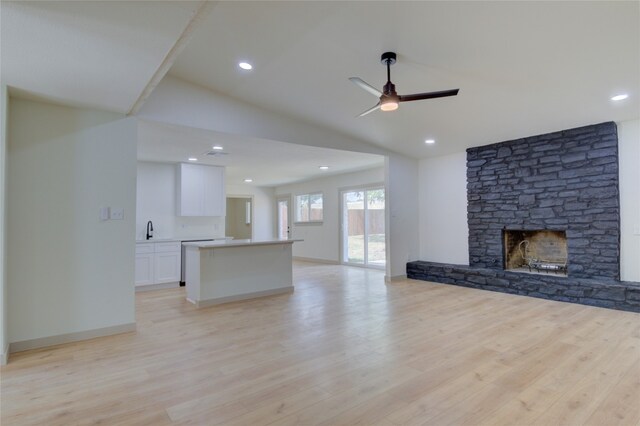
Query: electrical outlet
pixel 117 214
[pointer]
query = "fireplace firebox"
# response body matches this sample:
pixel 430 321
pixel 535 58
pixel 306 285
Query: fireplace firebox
pixel 540 251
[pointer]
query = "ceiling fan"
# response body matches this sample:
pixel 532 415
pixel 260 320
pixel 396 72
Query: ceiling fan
pixel 389 98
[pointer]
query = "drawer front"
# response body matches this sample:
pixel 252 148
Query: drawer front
pixel 168 247
pixel 144 248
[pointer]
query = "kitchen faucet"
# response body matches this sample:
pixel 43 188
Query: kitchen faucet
pixel 149 230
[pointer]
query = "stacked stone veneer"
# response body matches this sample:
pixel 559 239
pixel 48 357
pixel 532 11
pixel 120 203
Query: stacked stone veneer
pixel 565 181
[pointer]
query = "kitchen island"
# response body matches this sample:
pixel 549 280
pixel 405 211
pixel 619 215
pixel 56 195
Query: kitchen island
pixel 226 271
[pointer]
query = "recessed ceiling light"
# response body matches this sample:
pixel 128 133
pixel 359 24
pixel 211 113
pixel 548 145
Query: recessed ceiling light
pixel 619 97
pixel 193 159
pixel 245 66
pixel 218 147
pixel 323 167
pixel 248 180
pixel 430 141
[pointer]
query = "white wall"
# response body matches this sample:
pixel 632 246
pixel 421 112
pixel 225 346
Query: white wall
pixel 629 149
pixel 264 202
pixel 322 241
pixel 67 271
pixel 402 220
pixel 156 201
pixel 4 113
pixel 444 234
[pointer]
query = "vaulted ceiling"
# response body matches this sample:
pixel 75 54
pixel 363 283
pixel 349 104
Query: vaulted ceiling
pixel 85 53
pixel 523 68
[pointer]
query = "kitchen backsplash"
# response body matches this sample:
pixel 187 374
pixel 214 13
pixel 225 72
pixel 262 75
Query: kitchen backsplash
pixel 179 227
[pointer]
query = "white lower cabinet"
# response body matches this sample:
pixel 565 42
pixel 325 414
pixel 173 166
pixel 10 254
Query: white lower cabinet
pixel 157 263
pixel 144 268
pixel 167 267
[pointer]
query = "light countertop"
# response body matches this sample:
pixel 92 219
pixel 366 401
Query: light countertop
pixel 236 243
pixel 179 239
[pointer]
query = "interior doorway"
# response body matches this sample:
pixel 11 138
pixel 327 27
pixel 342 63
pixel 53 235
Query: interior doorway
pixel 363 227
pixel 284 216
pixel 239 219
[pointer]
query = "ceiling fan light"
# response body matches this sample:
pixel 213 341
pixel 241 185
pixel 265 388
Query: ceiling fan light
pixel 389 105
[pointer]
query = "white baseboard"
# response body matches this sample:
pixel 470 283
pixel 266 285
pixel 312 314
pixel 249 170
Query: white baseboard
pixel 394 278
pixel 256 294
pixel 4 357
pixel 313 260
pixel 157 286
pixel 70 337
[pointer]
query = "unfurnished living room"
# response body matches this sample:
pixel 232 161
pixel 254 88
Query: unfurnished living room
pixel 309 212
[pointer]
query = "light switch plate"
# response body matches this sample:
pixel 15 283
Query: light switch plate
pixel 117 214
pixel 104 213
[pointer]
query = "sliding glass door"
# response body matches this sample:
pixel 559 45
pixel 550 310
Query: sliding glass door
pixel 363 232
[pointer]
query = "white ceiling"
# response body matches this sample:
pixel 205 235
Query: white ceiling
pixel 523 68
pixel 268 163
pixel 85 53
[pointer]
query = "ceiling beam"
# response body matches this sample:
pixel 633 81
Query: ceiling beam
pixel 198 17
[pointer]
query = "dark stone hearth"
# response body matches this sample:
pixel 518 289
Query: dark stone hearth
pixel 561 181
pixel 606 293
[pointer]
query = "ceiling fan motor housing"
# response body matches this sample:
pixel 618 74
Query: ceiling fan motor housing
pixel 389 89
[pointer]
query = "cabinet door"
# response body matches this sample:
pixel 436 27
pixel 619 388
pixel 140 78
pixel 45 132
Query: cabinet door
pixel 201 190
pixel 190 190
pixel 144 269
pixel 167 267
pixel 214 191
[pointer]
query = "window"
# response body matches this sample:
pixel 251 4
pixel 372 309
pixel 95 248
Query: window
pixel 309 207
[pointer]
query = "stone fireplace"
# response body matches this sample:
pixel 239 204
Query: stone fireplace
pixel 541 251
pixel 547 205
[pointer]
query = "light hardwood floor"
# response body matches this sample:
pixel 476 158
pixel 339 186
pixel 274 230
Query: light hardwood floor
pixel 343 349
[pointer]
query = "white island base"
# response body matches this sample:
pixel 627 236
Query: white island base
pixel 221 272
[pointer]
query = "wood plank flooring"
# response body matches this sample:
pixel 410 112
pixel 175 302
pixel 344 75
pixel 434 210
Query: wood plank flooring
pixel 344 349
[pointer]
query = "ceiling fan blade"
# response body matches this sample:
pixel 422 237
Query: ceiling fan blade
pixel 370 110
pixel 366 86
pixel 428 95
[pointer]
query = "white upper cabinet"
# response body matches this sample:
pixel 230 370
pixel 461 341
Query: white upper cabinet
pixel 201 190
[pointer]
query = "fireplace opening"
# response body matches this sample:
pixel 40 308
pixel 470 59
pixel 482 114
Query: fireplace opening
pixel 537 252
